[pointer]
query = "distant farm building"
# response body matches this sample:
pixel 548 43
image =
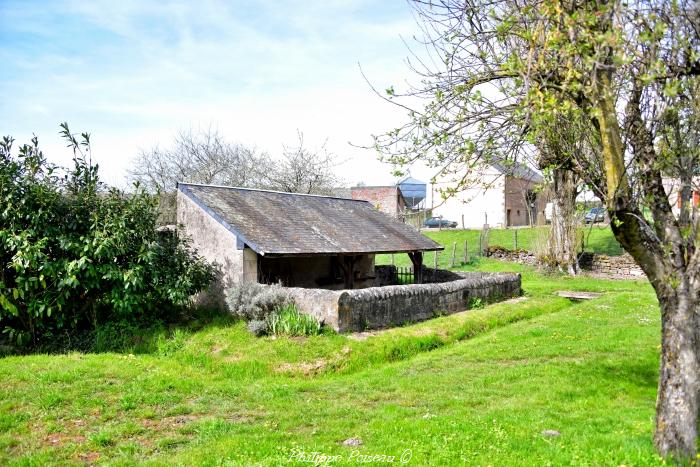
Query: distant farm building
pixel 395 200
pixel 674 191
pixel 498 195
pixel 387 199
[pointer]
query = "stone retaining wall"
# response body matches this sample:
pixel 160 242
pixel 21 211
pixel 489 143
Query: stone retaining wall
pixel 516 256
pixel 618 267
pixel 622 266
pixel 379 307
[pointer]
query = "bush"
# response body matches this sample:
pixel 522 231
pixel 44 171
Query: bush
pixel 77 254
pixel 258 327
pixel 289 321
pixel 255 302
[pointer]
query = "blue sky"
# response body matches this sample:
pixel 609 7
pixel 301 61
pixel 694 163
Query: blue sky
pixel 133 73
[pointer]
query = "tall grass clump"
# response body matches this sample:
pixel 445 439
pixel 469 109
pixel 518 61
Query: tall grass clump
pixel 289 321
pixel 268 309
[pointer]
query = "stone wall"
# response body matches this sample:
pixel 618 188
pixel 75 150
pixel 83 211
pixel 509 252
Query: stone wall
pixel 622 266
pixel 516 256
pixel 616 267
pixel 217 245
pixel 379 307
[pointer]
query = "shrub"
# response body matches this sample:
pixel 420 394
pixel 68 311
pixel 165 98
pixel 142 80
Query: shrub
pixel 287 320
pixel 258 327
pixel 253 301
pixel 77 254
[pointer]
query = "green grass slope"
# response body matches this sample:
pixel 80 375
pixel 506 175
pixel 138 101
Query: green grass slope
pixel 477 387
pixel 596 238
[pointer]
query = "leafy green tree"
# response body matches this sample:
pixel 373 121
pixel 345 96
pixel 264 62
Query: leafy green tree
pixel 76 254
pixel 511 71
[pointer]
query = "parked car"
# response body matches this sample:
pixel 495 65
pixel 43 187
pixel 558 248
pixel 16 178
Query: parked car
pixel 437 222
pixel 594 215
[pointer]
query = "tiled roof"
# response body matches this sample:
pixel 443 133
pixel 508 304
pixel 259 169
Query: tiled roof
pixel 275 223
pixel 517 170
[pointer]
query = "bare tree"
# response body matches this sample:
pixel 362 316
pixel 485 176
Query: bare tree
pixel 197 157
pixel 202 157
pixel 303 170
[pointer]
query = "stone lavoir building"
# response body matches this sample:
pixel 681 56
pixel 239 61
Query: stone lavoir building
pixel 322 249
pixel 296 239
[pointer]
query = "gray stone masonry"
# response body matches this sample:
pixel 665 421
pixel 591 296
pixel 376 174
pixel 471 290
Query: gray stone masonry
pixel 615 267
pixel 380 307
pixel 622 266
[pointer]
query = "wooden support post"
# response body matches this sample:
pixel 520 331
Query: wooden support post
pixel 466 253
pixel 417 260
pixel 347 264
pixel 454 250
pixel 435 259
pixel 392 259
pixel 515 239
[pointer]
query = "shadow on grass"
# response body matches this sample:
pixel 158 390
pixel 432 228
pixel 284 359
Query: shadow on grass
pixel 156 337
pixel 638 373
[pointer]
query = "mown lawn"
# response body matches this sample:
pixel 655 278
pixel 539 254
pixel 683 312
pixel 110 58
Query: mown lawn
pixel 597 239
pixel 477 387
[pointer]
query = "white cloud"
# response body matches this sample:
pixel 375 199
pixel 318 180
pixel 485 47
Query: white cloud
pixel 257 73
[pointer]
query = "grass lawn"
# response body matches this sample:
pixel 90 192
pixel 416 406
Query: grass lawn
pixel 477 387
pixel 597 239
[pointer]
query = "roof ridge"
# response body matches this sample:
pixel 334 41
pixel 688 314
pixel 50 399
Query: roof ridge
pixel 268 191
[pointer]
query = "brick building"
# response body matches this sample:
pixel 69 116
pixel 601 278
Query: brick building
pixel 387 199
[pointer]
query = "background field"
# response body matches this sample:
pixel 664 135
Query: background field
pixel 597 239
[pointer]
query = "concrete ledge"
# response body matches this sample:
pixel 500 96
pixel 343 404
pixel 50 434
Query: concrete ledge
pixel 379 307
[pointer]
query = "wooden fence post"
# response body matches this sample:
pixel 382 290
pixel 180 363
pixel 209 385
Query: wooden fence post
pixel 454 250
pixel 515 239
pixel 466 253
pixel 435 259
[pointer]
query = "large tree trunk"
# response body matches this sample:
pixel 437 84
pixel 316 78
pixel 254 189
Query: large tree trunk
pixel 677 400
pixel 563 234
pixel 662 252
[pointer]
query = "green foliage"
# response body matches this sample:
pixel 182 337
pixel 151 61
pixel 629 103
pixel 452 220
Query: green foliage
pixel 288 321
pixel 77 254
